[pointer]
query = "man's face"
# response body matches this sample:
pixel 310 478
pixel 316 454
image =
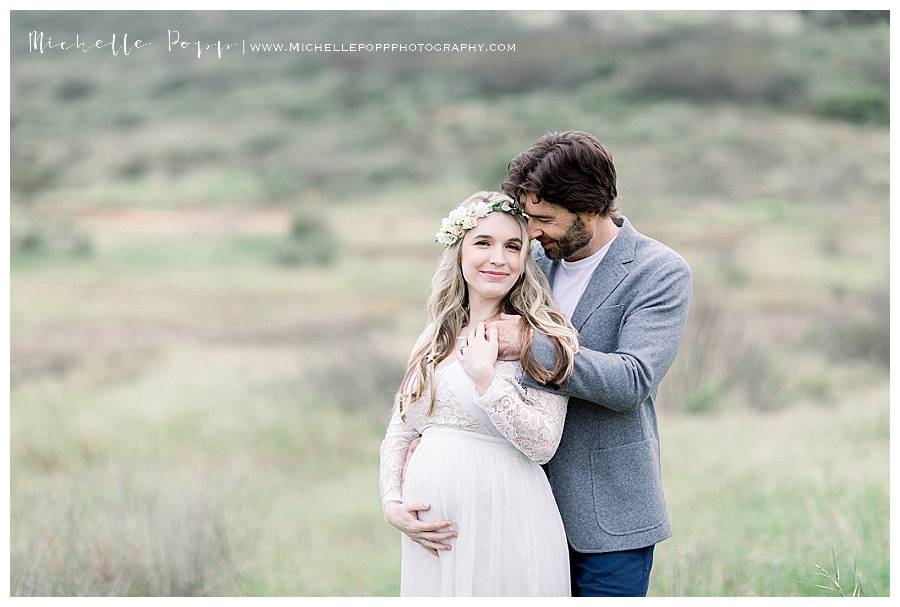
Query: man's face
pixel 560 232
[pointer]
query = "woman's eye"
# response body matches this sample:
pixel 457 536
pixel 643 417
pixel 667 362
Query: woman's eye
pixel 481 242
pixel 514 247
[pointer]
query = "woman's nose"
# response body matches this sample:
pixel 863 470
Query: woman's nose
pixel 497 256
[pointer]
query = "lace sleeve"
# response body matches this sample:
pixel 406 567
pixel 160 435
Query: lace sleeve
pixel 530 419
pixel 397 437
pixel 396 442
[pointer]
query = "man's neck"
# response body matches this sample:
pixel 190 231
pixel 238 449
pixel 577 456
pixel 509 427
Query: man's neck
pixel 604 231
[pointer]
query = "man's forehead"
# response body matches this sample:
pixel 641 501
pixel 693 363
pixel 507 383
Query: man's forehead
pixel 534 206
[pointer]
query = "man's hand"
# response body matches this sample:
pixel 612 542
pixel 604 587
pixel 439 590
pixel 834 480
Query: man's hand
pixel 509 333
pixel 426 534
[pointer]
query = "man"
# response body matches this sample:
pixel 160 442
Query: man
pixel 628 297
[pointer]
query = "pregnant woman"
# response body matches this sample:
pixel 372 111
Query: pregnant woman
pixel 476 510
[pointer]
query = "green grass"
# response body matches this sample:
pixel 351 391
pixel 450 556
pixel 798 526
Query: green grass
pixel 226 437
pixel 757 501
pixel 215 412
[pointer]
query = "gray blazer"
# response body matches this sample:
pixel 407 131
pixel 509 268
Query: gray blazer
pixel 631 318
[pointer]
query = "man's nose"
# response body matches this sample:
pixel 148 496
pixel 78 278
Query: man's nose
pixel 534 231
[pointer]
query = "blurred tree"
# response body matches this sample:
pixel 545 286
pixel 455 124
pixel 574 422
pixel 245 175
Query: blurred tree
pixel 846 18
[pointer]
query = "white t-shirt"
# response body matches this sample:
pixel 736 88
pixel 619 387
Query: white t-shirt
pixel 572 278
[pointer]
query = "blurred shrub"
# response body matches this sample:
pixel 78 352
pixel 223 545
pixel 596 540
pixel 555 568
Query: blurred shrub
pixel 859 329
pixel 30 175
pixel 718 65
pixel 135 167
pixel 264 143
pixel 363 378
pixel 310 241
pixel 179 160
pixel 128 120
pixel 73 89
pixel 29 239
pixel 171 85
pixel 529 69
pixel 733 272
pixel 699 377
pixel 279 183
pixel 719 361
pixel 860 103
pixel 837 74
pixel 846 18
pixel 759 378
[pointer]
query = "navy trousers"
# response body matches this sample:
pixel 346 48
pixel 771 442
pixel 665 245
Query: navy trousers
pixel 622 573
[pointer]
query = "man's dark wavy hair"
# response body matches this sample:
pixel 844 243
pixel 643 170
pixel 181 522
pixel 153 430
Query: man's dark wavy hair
pixel 571 169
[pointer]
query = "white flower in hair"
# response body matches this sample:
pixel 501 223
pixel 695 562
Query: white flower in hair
pixel 458 214
pixel 444 238
pixel 464 218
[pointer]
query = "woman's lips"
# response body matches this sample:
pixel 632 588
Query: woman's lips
pixel 495 275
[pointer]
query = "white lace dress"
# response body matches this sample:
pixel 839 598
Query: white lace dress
pixel 478 466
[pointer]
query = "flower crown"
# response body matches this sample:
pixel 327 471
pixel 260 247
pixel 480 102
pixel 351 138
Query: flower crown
pixel 465 217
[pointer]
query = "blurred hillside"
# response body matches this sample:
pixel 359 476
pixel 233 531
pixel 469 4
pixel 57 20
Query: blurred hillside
pixel 336 124
pixel 219 266
pixel 741 139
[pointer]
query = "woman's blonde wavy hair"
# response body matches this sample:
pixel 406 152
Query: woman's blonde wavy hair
pixel 448 313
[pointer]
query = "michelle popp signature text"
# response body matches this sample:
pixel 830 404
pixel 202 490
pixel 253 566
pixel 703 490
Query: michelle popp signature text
pixel 39 43
pixel 176 43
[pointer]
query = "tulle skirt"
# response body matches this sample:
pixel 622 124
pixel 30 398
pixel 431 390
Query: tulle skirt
pixel 511 538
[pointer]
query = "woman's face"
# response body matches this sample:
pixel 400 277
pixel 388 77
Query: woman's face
pixel 491 255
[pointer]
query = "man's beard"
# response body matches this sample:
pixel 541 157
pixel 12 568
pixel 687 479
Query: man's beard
pixel 576 238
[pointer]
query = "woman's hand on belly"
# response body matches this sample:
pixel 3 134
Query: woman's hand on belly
pixel 427 534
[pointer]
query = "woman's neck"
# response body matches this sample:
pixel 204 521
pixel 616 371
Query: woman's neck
pixel 482 309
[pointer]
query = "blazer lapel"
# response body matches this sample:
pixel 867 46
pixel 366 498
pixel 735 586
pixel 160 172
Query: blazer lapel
pixel 548 267
pixel 611 271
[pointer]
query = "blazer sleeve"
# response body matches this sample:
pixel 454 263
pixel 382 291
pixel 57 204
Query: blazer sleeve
pixel 652 330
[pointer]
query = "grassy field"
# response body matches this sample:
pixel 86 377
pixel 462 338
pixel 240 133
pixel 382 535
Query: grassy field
pixel 208 322
pixel 212 428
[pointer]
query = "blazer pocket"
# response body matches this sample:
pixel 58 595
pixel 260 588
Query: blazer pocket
pixel 627 489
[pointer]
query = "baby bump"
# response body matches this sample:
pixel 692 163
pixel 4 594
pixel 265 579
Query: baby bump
pixel 455 471
pixel 430 478
pixel 490 492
